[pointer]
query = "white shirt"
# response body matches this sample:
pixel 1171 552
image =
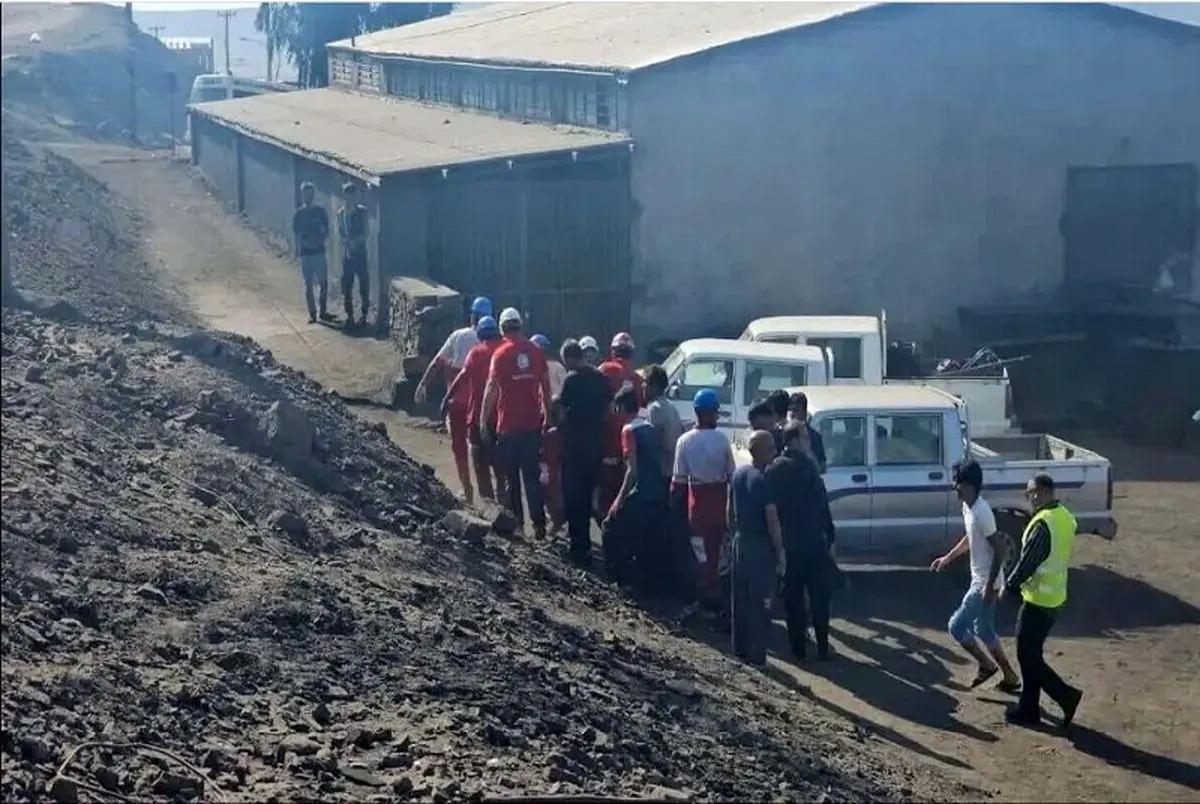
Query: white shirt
pixel 557 374
pixel 703 457
pixel 980 523
pixel 454 350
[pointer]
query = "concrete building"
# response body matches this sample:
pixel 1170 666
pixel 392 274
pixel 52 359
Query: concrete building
pixel 788 158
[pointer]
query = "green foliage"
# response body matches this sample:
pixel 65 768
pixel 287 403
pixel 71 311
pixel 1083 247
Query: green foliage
pixel 300 31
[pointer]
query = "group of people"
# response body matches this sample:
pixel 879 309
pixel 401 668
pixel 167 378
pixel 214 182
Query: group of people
pixel 310 230
pixel 589 439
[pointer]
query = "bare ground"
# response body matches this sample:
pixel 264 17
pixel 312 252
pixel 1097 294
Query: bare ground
pixel 1129 636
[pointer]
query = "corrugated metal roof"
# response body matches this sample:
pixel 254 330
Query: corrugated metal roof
pixel 615 37
pixel 381 136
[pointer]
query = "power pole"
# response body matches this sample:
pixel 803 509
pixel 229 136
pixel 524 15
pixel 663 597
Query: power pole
pixel 154 29
pixel 226 16
pixel 131 30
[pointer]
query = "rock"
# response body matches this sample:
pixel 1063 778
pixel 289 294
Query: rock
pixel 236 660
pixel 107 778
pixel 290 523
pixel 64 791
pixel 662 793
pixel 175 356
pixel 321 715
pixel 360 776
pixel 34 373
pixel 152 594
pixel 500 520
pixel 403 786
pixel 466 526
pixel 297 745
pixel 396 759
pixel 682 687
pixel 177 785
pixel 67 543
pixel 289 433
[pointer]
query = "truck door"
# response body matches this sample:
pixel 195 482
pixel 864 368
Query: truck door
pixel 703 372
pixel 911 491
pixel 847 477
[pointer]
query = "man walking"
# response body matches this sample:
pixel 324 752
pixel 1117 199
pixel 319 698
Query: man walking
pixel 518 394
pixel 310 229
pixel 1040 577
pixel 449 360
pixel 621 374
pixel 973 624
pixel 808 536
pixel 352 231
pixel 703 467
pixel 466 390
pixel 758 560
pixel 551 440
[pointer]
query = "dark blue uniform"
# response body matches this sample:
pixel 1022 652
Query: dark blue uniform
pixel 752 572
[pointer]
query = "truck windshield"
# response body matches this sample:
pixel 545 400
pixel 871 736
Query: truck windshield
pixel 847 356
pixel 206 94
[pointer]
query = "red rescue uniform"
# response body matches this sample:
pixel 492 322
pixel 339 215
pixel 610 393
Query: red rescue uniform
pixel 618 371
pixel 467 388
pixel 518 368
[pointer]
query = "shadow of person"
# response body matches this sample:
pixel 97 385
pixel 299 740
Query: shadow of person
pixel 864 726
pixel 883 685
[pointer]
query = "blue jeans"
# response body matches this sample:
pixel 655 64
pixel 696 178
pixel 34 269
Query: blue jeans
pixel 974 619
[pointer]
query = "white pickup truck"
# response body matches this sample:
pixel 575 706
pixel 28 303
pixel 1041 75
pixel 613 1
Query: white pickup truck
pixel 741 374
pixel 890 452
pixel 859 345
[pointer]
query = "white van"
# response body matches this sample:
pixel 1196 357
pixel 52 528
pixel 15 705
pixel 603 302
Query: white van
pixel 219 86
pixel 742 374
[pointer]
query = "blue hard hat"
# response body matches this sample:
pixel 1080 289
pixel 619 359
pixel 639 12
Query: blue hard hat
pixel 486 327
pixel 542 341
pixel 481 306
pixel 706 401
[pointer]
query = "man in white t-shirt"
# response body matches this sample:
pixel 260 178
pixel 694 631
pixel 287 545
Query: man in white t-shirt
pixel 974 623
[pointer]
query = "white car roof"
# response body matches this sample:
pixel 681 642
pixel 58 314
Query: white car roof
pixel 876 397
pixel 733 349
pixel 815 325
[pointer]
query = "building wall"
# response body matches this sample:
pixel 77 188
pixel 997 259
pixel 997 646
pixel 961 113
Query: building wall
pixel 907 158
pixel 214 152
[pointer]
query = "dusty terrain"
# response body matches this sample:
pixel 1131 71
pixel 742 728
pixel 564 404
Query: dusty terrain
pixel 286 616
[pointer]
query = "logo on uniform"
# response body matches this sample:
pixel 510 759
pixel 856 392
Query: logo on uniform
pixel 522 361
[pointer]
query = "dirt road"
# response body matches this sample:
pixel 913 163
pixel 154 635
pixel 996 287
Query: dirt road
pixel 1130 637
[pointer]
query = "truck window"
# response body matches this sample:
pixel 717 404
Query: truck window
pixel 787 339
pixel 714 374
pixel 845 440
pixel 909 439
pixel 847 356
pixel 763 377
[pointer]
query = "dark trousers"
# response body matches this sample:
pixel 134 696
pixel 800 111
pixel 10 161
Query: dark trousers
pixel 355 267
pixel 520 455
pixel 684 569
pixel 807 576
pixel 579 477
pixel 316 284
pixel 1033 626
pixel 634 545
pixel 751 586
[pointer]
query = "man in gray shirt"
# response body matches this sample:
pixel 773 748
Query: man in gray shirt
pixel 663 415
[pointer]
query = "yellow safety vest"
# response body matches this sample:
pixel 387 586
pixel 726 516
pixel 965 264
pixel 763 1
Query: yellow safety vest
pixel 1047 587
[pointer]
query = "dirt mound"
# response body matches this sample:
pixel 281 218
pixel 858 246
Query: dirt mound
pixel 204 553
pixel 92 71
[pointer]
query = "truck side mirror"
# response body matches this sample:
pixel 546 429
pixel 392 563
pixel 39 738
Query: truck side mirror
pixel 673 391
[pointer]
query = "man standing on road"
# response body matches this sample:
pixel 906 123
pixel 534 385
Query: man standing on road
pixel 310 229
pixel 468 386
pixel 703 467
pixel 581 411
pixel 808 537
pixel 1040 577
pixel 974 623
pixel 449 360
pixel 758 563
pixel 352 230
pixel 551 441
pixel 518 393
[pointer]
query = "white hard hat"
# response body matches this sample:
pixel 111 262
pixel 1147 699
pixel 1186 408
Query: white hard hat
pixel 509 315
pixel 622 339
pixel 588 342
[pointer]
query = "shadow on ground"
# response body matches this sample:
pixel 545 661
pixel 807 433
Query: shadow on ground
pixel 1101 602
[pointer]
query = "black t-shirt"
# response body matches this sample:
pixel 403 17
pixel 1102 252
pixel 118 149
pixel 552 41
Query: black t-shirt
pixel 799 494
pixel 310 225
pixel 583 403
pixel 751 496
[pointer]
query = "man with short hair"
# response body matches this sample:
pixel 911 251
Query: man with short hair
pixel 591 350
pixel 758 561
pixel 581 410
pixel 762 418
pixel 310 228
pixel 635 526
pixel 518 393
pixel 703 467
pixel 621 374
pixel 468 385
pixel 974 622
pixel 798 412
pixel 352 230
pixel 449 360
pixel 808 536
pixel 1040 578
pixel 664 416
pixel 551 439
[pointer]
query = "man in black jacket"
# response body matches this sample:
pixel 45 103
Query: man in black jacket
pixel 799 493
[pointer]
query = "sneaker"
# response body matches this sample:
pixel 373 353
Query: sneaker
pixel 328 316
pixel 312 319
pixel 1016 717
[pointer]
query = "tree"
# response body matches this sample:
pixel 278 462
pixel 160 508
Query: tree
pixel 300 31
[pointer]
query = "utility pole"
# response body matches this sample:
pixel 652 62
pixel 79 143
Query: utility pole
pixel 226 16
pixel 131 30
pixel 154 29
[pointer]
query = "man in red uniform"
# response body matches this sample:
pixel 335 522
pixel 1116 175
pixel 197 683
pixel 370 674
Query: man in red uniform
pixel 466 390
pixel 518 393
pixel 621 374
pixel 449 360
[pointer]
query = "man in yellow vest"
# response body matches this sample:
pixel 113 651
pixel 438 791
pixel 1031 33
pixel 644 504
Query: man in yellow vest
pixel 1040 578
